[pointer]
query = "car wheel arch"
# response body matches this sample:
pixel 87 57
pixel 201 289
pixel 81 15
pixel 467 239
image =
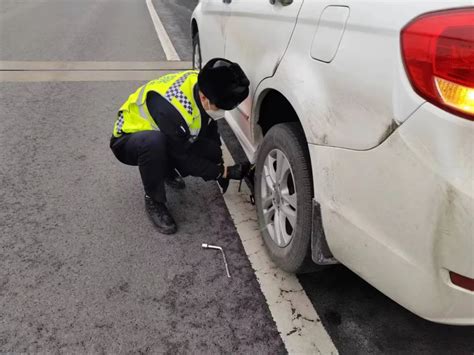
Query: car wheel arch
pixel 272 108
pixel 194 28
pixel 270 104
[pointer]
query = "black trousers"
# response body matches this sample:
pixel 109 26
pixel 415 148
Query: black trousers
pixel 147 150
pixel 150 152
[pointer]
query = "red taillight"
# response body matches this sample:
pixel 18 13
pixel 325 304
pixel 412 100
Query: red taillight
pixel 438 51
pixel 462 281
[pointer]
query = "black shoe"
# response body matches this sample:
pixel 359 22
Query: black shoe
pixel 160 216
pixel 175 181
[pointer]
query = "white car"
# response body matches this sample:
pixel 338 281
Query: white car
pixel 360 122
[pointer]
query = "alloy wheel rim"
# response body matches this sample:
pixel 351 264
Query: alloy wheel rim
pixel 279 198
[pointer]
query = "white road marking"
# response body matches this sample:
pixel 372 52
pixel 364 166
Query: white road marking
pixel 30 71
pixel 296 319
pixel 58 76
pixel 165 41
pixel 94 65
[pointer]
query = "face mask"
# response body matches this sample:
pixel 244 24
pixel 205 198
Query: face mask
pixel 214 114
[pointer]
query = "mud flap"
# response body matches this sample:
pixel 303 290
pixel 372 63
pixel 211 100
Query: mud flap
pixel 320 252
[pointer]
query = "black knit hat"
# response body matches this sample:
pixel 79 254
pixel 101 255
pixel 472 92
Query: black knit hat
pixel 224 83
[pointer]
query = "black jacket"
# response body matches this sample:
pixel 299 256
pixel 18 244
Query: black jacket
pixel 202 158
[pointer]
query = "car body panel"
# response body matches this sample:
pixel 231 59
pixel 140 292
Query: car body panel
pixel 263 50
pixel 401 215
pixel 359 98
pixel 212 17
pixel 393 175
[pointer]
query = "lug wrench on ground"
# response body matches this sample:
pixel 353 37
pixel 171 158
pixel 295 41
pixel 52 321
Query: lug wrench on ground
pixel 208 246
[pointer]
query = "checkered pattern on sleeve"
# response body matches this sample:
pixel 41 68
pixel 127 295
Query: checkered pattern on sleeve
pixel 120 122
pixel 175 91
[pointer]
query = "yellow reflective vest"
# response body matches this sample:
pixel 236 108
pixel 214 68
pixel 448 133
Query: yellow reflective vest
pixel 176 88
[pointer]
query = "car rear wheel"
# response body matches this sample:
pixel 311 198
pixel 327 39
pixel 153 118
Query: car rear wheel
pixel 283 195
pixel 197 58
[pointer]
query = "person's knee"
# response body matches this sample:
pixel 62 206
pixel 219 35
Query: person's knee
pixel 152 148
pixel 152 141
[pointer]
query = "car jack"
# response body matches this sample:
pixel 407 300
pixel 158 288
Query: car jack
pixel 249 179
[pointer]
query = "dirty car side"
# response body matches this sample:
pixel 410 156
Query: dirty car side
pixel 392 173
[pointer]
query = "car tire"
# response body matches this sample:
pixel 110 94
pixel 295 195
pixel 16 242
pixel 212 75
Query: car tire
pixel 197 58
pixel 289 139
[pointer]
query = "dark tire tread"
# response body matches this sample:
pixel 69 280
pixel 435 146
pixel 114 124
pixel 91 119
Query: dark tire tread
pixel 197 44
pixel 289 138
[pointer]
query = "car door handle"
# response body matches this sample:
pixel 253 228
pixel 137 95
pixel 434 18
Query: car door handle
pixel 283 2
pixel 226 1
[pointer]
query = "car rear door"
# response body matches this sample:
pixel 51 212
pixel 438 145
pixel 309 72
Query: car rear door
pixel 257 34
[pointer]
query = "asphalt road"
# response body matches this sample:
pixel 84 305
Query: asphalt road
pixel 82 269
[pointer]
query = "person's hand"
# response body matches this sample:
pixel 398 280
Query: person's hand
pixel 237 171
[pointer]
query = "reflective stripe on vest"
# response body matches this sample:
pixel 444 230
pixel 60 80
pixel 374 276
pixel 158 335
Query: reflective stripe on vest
pixel 177 89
